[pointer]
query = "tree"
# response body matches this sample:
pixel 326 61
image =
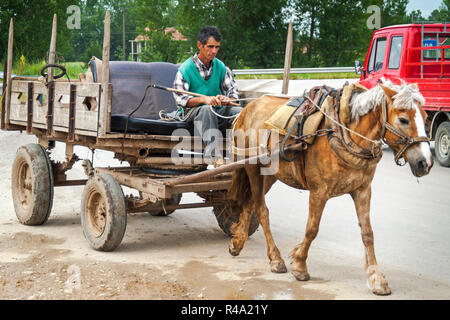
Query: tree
pixel 254 32
pixel 307 13
pixel 32 27
pixel 441 14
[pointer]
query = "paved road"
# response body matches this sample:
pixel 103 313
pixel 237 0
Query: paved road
pixel 185 255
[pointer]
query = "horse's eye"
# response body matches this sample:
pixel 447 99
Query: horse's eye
pixel 404 121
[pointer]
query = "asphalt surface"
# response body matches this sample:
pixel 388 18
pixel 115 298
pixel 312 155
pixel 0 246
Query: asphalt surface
pixel 185 255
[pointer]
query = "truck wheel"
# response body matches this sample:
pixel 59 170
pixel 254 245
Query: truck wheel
pixel 32 184
pixel 442 144
pixel 103 212
pixel 229 213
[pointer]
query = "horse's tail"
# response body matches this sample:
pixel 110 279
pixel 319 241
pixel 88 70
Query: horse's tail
pixel 239 190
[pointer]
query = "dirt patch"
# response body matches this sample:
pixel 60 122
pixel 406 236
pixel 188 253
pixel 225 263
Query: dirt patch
pixel 40 269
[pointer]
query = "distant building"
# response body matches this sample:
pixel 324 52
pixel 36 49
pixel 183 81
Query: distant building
pixel 142 39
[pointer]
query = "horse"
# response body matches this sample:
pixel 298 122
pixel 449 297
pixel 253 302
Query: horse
pixel 388 112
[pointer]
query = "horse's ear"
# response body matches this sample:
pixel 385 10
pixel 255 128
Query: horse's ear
pixel 389 92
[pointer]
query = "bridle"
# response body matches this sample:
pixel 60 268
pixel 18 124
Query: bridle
pixel 404 140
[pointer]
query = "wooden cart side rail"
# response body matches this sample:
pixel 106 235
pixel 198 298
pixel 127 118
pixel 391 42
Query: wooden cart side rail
pixel 51 107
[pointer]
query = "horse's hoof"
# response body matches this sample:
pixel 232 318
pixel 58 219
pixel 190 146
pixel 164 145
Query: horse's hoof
pixel 377 282
pixel 278 267
pixel 233 250
pixel 381 290
pixel 301 275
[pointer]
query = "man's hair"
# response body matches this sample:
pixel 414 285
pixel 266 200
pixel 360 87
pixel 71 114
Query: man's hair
pixel 208 32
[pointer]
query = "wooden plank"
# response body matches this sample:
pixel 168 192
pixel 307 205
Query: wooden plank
pixel 105 98
pixel 30 107
pixel 9 69
pixel 83 89
pixel 22 86
pixel 143 184
pixel 50 107
pixel 3 116
pixel 200 186
pixel 72 105
pixel 52 51
pixel 287 60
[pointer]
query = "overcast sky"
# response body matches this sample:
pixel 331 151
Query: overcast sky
pixel 426 6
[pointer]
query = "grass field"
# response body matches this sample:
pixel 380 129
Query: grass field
pixel 34 69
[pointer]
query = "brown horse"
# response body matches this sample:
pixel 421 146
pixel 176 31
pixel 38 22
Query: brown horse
pixel 333 171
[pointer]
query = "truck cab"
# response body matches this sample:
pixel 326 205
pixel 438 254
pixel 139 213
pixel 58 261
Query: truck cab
pixel 416 53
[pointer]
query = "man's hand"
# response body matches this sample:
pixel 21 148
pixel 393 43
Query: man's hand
pixel 224 100
pixel 214 101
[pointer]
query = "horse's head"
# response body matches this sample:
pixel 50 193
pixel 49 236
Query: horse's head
pixel 404 125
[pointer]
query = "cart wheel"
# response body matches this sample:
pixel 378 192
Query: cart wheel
pixel 158 212
pixel 229 213
pixel 32 184
pixel 103 212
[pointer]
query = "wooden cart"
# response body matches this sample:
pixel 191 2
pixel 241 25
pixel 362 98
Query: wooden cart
pixel 79 113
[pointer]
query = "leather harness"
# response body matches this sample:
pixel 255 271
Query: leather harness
pixel 308 106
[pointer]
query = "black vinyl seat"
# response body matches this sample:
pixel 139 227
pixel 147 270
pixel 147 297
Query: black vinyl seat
pixel 130 82
pixel 149 126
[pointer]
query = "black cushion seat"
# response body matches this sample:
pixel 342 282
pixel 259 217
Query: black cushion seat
pixel 130 82
pixel 149 126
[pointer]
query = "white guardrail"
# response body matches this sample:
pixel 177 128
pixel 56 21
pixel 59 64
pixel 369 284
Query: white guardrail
pixel 1 83
pixel 272 71
pixel 294 70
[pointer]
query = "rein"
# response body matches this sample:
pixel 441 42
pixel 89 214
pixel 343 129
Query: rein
pixel 404 139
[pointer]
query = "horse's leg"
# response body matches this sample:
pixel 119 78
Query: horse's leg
pixel 240 229
pixel 300 252
pixel 259 185
pixel 376 280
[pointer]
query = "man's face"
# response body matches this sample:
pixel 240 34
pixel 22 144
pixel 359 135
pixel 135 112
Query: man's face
pixel 209 50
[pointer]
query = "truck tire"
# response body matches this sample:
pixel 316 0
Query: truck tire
pixel 442 144
pixel 32 185
pixel 228 214
pixel 103 212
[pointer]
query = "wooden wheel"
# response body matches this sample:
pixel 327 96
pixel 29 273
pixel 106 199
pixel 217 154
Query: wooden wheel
pixel 103 212
pixel 32 185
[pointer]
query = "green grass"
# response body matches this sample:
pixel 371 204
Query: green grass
pixel 301 76
pixel 34 69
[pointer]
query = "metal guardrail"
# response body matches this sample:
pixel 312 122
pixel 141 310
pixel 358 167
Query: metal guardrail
pixel 294 70
pixel 1 83
pixel 272 71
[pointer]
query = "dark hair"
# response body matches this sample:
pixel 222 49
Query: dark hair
pixel 208 32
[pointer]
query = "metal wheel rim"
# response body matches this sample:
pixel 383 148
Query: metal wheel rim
pixel 444 144
pixel 96 214
pixel 25 187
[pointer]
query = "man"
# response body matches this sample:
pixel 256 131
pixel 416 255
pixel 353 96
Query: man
pixel 207 75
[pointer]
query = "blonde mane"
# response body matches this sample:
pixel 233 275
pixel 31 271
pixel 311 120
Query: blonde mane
pixel 406 97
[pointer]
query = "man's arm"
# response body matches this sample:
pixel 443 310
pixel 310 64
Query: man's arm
pixel 228 88
pixel 188 101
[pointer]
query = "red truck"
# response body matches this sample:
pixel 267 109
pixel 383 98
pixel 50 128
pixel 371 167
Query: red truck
pixel 416 53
